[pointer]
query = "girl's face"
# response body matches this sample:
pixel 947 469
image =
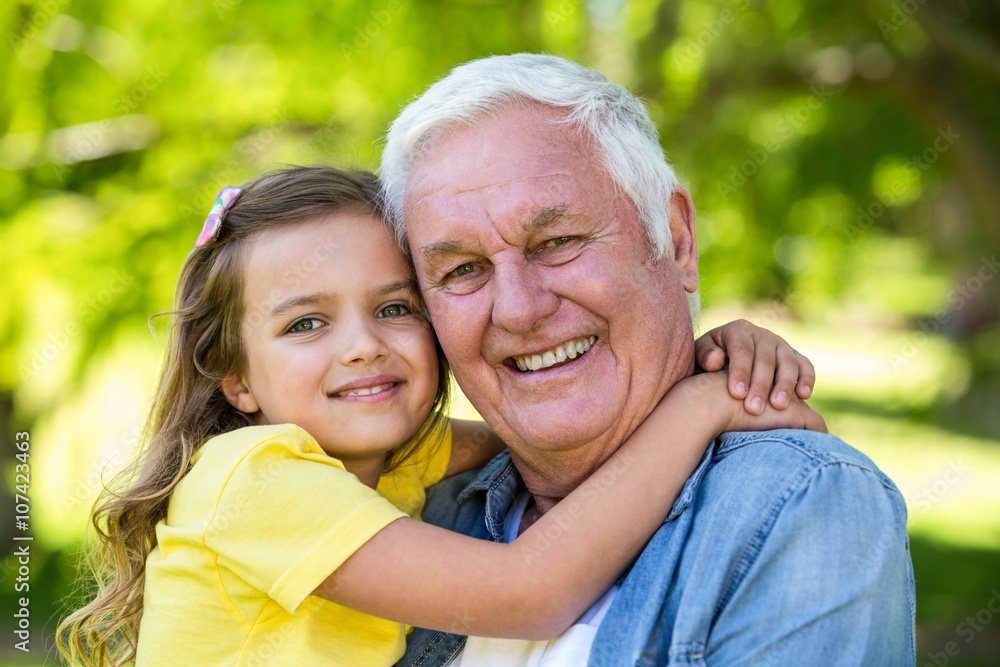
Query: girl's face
pixel 333 339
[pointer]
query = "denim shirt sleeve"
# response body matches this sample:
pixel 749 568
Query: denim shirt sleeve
pixel 792 551
pixel 827 581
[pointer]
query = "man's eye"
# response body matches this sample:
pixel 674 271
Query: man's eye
pixel 394 310
pixel 552 243
pixel 463 270
pixel 305 325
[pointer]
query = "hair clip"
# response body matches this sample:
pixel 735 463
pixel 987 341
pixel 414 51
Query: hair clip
pixel 213 223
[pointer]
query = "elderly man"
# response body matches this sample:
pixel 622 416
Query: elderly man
pixel 557 256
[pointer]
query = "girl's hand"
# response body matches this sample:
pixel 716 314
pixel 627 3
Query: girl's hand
pixel 707 395
pixel 761 363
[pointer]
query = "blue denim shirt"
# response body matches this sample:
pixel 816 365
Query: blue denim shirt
pixel 784 548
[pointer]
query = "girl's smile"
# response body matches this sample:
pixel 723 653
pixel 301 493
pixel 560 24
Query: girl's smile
pixel 373 389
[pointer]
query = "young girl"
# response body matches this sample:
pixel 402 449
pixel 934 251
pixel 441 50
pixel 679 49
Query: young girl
pixel 299 419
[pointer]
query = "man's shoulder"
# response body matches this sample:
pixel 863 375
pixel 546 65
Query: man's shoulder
pixel 760 473
pixel 788 515
pixel 789 452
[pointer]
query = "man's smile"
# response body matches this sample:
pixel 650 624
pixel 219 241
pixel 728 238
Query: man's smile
pixel 555 356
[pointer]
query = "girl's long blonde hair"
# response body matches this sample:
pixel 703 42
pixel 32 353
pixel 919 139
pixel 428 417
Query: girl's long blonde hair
pixel 204 347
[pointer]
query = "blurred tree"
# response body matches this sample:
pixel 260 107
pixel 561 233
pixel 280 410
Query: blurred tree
pixel 841 154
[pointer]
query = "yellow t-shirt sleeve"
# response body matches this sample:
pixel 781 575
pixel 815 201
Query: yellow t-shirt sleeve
pixel 404 486
pixel 289 515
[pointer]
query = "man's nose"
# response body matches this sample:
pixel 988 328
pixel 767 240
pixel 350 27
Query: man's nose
pixel 362 342
pixel 520 299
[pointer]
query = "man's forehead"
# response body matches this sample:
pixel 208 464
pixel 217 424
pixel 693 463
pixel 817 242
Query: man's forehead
pixel 515 139
pixel 535 222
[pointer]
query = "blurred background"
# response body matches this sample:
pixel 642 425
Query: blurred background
pixel 844 158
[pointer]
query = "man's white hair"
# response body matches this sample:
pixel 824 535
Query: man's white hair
pixel 626 137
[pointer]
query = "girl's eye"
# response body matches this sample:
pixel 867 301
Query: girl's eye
pixel 305 325
pixel 394 310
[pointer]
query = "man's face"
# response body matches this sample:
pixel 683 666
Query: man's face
pixel 559 327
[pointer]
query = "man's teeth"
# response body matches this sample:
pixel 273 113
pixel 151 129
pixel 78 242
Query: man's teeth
pixel 570 350
pixel 365 391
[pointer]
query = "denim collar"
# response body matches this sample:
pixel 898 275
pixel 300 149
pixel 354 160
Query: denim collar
pixel 501 483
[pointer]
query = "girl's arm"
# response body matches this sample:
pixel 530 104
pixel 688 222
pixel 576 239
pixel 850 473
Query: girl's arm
pixel 757 358
pixel 538 585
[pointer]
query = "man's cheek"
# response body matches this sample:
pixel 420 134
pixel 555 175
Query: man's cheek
pixel 454 330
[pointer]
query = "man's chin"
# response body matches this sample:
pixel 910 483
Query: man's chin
pixel 546 429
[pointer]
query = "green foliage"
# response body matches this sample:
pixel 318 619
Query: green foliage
pixel 842 156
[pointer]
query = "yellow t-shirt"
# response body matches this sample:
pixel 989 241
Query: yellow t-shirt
pixel 262 518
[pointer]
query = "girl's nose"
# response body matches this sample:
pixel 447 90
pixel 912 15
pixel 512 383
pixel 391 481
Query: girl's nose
pixel 362 343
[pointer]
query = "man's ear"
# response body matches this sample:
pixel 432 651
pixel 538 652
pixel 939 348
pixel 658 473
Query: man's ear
pixel 238 394
pixel 684 251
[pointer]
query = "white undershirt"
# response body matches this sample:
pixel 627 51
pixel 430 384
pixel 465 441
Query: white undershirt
pixel 570 649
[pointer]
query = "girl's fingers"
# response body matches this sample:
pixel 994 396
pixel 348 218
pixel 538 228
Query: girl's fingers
pixel 807 377
pixel 761 378
pixel 741 359
pixel 708 354
pixel 785 377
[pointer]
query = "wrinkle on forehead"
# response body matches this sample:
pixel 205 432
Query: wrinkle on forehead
pixel 451 190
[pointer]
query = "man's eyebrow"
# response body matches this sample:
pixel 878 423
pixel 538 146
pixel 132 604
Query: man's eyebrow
pixel 535 222
pixel 433 251
pixel 542 218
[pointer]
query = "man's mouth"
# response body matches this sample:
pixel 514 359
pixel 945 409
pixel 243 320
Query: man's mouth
pixel 557 355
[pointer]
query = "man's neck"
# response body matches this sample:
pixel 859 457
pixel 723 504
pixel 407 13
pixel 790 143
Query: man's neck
pixel 552 475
